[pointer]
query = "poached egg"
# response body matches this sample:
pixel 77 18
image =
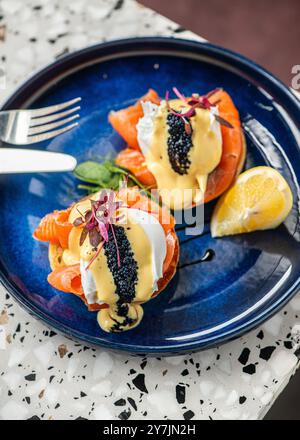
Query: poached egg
pixel 180 191
pixel 147 248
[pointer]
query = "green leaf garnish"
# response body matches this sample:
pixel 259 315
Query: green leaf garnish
pixel 90 189
pixel 93 172
pixel 105 175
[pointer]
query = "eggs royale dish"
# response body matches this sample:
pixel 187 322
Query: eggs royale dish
pixel 115 251
pixel 190 149
pixel 118 249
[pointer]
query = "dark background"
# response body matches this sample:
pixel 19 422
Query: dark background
pixel 268 32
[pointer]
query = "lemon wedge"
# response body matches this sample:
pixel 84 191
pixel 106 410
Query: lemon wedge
pixel 259 199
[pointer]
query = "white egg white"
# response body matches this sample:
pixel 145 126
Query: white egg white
pixel 88 284
pixel 157 239
pixel 145 125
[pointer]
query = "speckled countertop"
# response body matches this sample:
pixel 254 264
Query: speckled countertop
pixel 45 375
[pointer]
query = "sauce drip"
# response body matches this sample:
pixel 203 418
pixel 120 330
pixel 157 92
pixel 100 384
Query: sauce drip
pixel 209 255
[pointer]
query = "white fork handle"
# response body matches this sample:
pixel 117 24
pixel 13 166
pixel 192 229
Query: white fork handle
pixel 14 160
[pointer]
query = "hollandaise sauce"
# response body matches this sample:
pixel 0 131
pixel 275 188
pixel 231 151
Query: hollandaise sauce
pixel 182 153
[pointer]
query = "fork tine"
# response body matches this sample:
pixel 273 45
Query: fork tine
pixel 53 108
pixel 45 119
pixel 47 127
pixel 50 134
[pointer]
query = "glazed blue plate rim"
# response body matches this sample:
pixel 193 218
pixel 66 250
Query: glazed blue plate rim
pixel 139 45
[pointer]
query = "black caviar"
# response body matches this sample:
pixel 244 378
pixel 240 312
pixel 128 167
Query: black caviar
pixel 126 276
pixel 179 143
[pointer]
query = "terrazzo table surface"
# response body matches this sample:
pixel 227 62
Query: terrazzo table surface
pixel 45 375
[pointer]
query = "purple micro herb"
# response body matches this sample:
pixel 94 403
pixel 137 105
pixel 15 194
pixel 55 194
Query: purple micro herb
pixel 78 222
pixel 83 236
pixel 96 222
pixel 223 121
pixel 187 127
pixel 179 95
pixel 96 255
pixel 213 92
pixel 116 243
pixel 195 102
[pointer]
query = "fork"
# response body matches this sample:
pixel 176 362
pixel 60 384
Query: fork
pixel 25 127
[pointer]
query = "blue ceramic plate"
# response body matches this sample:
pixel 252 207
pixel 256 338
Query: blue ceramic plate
pixel 251 277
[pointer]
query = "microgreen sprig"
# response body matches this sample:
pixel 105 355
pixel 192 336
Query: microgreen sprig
pixel 196 101
pixel 97 221
pixel 97 176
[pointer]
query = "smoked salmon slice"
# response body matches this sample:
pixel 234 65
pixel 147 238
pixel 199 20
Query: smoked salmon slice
pixel 171 246
pixel 55 228
pixel 170 264
pixel 134 161
pixel 67 279
pixel 233 148
pixel 133 198
pixel 124 121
